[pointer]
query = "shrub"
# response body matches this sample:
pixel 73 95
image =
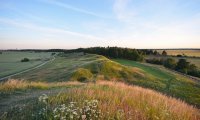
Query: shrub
pixel 25 60
pixel 82 75
pixel 170 63
pixel 155 61
pixel 53 54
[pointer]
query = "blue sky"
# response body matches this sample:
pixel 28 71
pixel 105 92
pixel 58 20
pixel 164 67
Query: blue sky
pixel 85 23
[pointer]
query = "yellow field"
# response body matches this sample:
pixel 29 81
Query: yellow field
pixel 195 53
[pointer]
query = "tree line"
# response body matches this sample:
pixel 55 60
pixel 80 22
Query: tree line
pixel 114 52
pixel 182 65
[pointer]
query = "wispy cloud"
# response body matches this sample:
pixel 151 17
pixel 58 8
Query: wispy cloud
pixel 35 27
pixel 122 11
pixel 70 7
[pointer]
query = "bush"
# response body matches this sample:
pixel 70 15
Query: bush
pixel 155 61
pixel 82 75
pixel 25 60
pixel 170 63
pixel 53 54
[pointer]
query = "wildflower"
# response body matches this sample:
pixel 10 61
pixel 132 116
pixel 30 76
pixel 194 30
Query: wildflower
pixel 83 117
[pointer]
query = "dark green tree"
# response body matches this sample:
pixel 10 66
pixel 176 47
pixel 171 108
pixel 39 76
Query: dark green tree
pixel 164 53
pixel 170 63
pixel 182 66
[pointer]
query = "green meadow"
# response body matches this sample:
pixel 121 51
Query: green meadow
pixel 10 62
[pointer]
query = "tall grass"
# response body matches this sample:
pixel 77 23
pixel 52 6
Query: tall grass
pixel 13 85
pixel 121 102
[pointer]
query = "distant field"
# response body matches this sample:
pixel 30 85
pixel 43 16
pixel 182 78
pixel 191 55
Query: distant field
pixel 10 62
pixel 191 53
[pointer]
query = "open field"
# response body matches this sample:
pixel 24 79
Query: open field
pixel 103 100
pixel 191 53
pixel 10 62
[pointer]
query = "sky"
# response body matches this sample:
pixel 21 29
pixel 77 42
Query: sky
pixel 67 24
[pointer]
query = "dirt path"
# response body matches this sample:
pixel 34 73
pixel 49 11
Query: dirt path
pixel 15 100
pixel 40 65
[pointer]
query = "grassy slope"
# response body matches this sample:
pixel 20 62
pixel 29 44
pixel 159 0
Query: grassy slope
pixel 114 103
pixel 10 62
pixel 168 82
pixel 64 67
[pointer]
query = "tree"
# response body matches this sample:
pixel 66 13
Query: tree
pixel 25 60
pixel 193 70
pixel 164 53
pixel 182 66
pixel 53 54
pixel 0 52
pixel 170 63
pixel 155 52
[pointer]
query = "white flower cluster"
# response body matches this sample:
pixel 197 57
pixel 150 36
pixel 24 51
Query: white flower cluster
pixel 43 98
pixel 73 111
pixel 89 111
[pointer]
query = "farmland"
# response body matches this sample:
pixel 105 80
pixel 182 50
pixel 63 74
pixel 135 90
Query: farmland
pixel 190 53
pixel 10 62
pixel 94 77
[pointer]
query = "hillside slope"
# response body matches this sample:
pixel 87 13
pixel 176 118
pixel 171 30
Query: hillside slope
pixel 92 67
pixel 103 100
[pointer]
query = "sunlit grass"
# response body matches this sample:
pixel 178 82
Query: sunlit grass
pixel 13 85
pixel 118 101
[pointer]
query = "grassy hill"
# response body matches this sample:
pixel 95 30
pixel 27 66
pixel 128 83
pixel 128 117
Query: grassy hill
pixel 103 100
pixel 168 82
pixel 115 100
pixel 69 66
pixel 93 67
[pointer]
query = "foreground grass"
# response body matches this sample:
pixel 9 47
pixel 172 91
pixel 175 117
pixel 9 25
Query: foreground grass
pixel 115 101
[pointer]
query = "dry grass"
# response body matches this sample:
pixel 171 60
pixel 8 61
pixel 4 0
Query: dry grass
pixel 116 101
pixel 130 102
pixel 181 52
pixel 13 85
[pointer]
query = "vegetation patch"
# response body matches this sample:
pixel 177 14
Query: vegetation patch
pixel 82 75
pixel 25 60
pixel 13 85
